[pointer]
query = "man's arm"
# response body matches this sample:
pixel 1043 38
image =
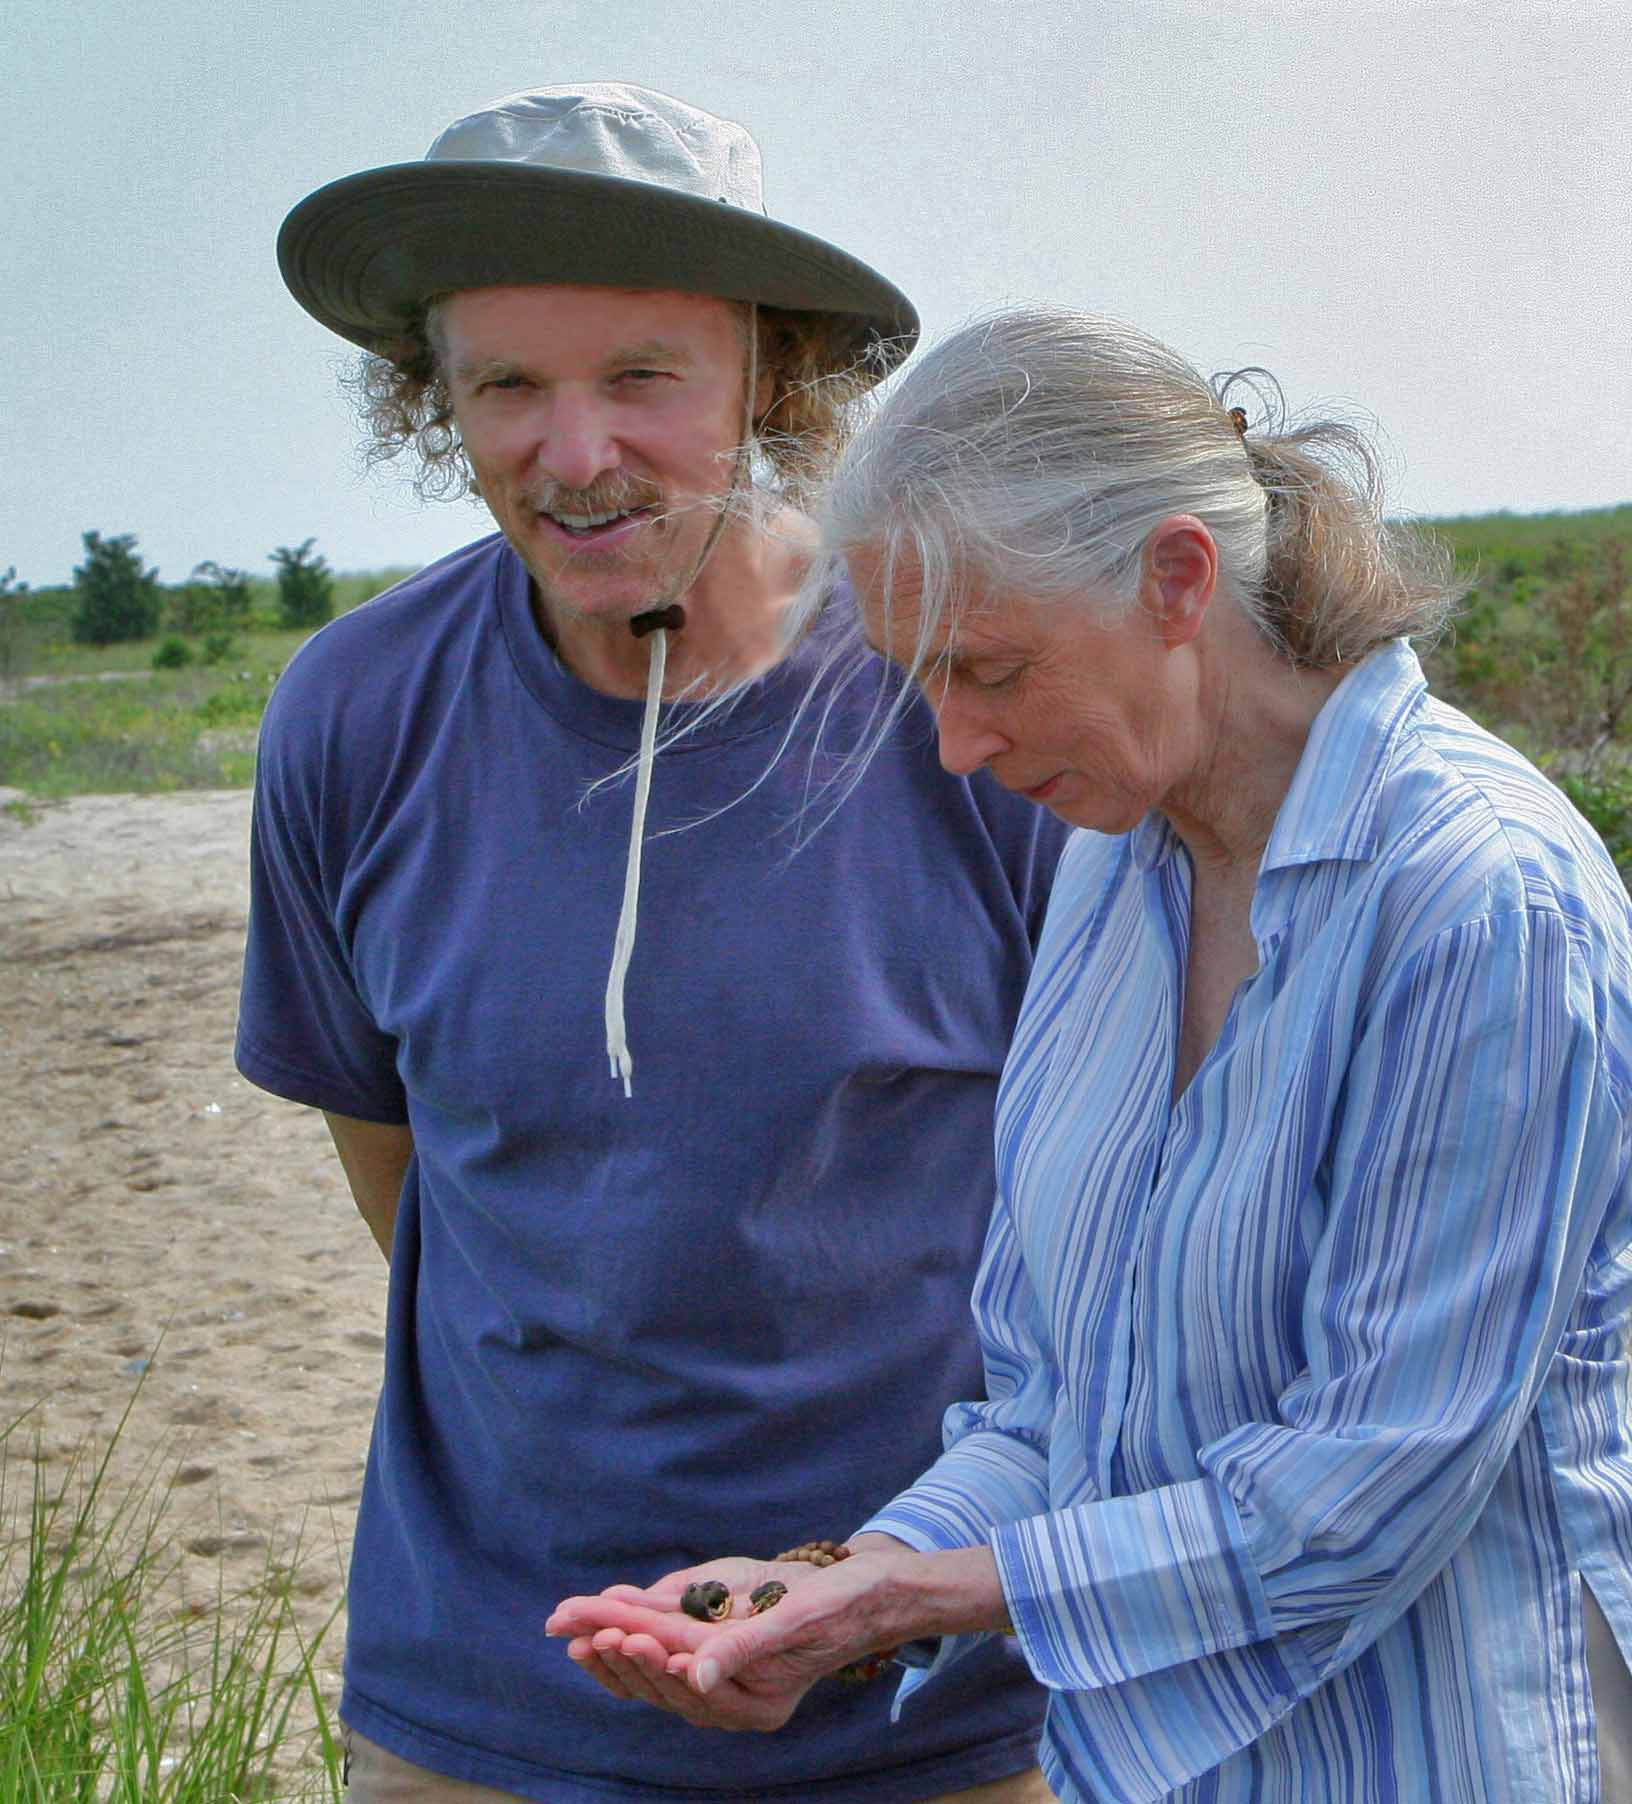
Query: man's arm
pixel 375 1156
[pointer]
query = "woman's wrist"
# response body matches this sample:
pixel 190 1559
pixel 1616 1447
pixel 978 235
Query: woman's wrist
pixel 953 1591
pixel 958 1592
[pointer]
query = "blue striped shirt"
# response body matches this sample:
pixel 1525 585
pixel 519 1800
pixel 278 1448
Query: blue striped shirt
pixel 1308 1394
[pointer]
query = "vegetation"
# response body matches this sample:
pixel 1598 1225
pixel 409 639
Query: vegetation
pixel 172 654
pixel 104 720
pixel 1542 653
pixel 305 585
pixel 118 597
pixel 111 1687
pixel 14 635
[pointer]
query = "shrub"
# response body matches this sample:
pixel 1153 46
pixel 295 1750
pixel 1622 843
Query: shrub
pixel 305 585
pixel 1606 801
pixel 117 597
pixel 214 598
pixel 14 628
pixel 172 654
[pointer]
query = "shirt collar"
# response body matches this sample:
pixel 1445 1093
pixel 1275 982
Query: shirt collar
pixel 1330 809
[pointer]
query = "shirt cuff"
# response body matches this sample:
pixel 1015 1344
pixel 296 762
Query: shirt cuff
pixel 1104 1592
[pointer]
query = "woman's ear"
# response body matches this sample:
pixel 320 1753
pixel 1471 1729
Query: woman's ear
pixel 1180 574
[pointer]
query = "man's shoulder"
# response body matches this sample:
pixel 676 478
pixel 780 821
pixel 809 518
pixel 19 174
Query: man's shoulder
pixel 350 695
pixel 362 659
pixel 399 623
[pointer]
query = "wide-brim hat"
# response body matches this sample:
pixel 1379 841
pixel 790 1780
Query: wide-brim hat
pixel 599 184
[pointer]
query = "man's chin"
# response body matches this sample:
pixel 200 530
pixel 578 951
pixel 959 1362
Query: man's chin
pixel 560 606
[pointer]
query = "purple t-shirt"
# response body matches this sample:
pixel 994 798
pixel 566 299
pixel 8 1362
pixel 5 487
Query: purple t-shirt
pixel 622 1336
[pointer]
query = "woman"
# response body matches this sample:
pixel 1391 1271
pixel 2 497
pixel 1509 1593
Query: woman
pixel 1303 1473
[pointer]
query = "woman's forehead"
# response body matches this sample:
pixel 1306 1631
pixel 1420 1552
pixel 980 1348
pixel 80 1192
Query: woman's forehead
pixel 978 615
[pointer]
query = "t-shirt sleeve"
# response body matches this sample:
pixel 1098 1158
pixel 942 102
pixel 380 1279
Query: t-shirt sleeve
pixel 304 1031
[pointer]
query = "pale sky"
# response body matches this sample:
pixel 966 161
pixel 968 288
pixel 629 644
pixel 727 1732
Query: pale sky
pixel 1418 211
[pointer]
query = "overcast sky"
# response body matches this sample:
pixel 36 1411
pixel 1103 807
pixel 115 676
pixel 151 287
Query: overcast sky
pixel 1417 210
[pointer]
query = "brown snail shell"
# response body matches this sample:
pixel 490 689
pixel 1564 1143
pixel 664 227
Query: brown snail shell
pixel 707 1601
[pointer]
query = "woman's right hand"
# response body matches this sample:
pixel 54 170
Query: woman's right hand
pixel 747 1671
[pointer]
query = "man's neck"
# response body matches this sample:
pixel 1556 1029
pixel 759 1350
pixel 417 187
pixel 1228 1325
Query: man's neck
pixel 735 609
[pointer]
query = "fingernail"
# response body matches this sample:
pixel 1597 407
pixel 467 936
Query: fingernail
pixel 708 1673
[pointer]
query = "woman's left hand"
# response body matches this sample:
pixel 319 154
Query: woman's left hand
pixel 746 1671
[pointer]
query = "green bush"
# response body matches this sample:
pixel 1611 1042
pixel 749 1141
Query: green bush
pixel 172 654
pixel 15 635
pixel 117 597
pixel 305 585
pixel 1606 801
pixel 213 599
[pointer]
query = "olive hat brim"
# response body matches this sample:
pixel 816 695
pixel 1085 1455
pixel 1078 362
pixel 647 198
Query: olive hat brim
pixel 364 254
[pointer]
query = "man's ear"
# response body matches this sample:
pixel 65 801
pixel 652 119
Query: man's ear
pixel 1180 573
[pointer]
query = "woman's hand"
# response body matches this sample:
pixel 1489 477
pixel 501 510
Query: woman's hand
pixel 747 1671
pixel 625 1637
pixel 751 1671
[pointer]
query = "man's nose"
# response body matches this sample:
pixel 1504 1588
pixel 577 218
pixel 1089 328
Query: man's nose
pixel 576 444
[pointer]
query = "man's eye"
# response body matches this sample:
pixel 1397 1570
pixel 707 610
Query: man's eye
pixel 639 378
pixel 995 679
pixel 505 382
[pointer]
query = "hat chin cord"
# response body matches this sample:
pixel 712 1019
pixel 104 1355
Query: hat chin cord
pixel 658 623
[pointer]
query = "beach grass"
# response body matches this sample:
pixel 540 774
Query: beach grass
pixel 113 1690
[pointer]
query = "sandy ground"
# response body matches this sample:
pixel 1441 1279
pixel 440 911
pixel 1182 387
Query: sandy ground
pixel 163 1223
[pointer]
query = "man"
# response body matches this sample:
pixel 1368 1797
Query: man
pixel 725 1298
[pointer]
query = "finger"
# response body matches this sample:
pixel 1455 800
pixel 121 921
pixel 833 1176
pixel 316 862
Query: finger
pixel 658 1691
pixel 647 1653
pixel 589 1615
pixel 582 1653
pixel 731 1649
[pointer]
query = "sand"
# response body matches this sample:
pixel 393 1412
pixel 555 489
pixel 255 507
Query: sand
pixel 166 1230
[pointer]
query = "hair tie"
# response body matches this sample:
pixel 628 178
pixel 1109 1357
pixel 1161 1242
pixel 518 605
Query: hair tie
pixel 1238 419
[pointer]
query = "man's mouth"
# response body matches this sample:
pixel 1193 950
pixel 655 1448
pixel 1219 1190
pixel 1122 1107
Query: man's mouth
pixel 593 525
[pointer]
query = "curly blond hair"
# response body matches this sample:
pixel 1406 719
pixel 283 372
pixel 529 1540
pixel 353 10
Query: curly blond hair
pixel 403 402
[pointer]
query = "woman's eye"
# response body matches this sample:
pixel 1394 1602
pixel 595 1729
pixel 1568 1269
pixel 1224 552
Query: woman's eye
pixel 995 679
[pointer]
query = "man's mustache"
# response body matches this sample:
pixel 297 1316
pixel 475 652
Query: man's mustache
pixel 610 495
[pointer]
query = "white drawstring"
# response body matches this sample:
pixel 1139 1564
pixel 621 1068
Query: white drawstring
pixel 623 946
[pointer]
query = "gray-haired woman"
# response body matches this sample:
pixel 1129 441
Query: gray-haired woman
pixel 1303 1471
